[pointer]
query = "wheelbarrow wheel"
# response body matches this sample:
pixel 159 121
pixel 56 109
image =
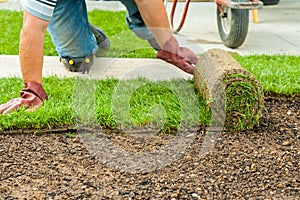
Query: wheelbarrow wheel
pixel 233 25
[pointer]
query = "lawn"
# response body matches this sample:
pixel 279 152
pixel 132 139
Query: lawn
pixel 279 76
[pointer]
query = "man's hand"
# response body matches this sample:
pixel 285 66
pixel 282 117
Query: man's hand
pixel 181 57
pixel 32 96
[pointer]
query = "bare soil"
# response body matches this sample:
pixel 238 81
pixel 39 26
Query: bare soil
pixel 261 163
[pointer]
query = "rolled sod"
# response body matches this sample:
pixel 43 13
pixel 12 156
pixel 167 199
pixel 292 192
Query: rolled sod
pixel 234 95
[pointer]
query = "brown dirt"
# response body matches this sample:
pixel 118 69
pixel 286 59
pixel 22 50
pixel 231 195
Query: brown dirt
pixel 261 163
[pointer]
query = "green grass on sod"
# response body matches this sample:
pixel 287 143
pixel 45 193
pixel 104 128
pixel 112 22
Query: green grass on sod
pixel 279 75
pixel 74 102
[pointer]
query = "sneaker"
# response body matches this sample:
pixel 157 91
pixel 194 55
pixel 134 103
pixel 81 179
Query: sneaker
pixel 78 64
pixel 101 38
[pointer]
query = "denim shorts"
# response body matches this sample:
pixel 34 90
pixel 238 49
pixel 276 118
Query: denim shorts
pixel 41 9
pixel 69 25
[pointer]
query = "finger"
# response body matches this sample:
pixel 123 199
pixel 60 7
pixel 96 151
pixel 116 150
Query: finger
pixel 188 68
pixel 3 107
pixel 34 108
pixel 10 105
pixel 188 55
pixel 184 65
pixel 11 108
pixel 176 60
pixel 6 105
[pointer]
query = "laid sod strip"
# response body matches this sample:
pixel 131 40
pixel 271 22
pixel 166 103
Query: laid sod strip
pixel 236 95
pixel 279 75
pixel 74 102
pixel 161 105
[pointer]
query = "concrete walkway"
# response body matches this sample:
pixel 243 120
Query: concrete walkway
pixel 121 68
pixel 278 32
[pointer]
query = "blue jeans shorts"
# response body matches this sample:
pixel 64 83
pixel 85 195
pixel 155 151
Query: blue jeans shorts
pixel 69 25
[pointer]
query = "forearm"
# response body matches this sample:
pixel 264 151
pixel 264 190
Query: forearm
pixel 155 17
pixel 31 60
pixel 31 47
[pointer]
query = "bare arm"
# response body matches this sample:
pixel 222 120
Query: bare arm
pixel 155 17
pixel 31 60
pixel 32 47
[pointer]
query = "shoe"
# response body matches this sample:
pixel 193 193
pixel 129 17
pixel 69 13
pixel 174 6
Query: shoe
pixel 84 64
pixel 101 38
pixel 78 64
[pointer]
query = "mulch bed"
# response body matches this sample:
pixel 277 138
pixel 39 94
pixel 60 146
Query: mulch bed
pixel 261 163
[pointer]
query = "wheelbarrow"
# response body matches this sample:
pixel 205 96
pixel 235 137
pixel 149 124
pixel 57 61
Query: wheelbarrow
pixel 232 19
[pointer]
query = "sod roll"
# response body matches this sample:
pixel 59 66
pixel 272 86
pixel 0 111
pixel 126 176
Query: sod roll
pixel 235 96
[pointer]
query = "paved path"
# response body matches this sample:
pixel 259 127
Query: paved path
pixel 122 68
pixel 278 32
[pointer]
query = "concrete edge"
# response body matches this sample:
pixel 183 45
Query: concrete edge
pixel 121 68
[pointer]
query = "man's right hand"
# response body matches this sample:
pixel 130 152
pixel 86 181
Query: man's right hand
pixel 181 57
pixel 32 97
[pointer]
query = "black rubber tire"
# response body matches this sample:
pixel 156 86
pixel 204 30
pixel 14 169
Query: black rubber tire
pixel 235 32
pixel 270 2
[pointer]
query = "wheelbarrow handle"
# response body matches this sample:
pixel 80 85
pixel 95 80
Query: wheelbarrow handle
pixel 186 7
pixel 245 5
pixel 251 5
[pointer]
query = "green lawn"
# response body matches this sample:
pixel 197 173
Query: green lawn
pixel 80 101
pixel 279 75
pixel 123 41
